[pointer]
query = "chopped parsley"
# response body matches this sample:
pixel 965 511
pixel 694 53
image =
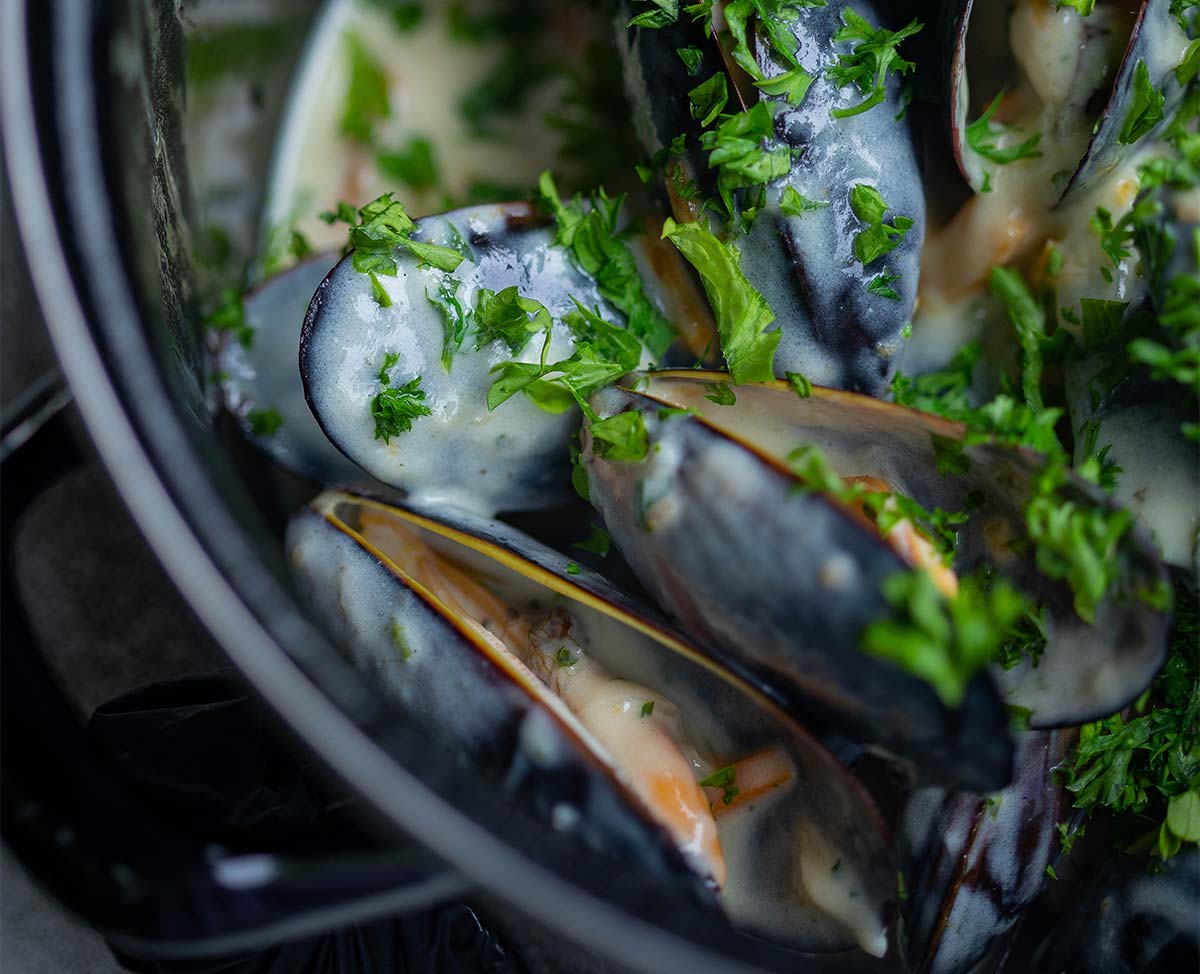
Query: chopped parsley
pixel 572 568
pixel 603 353
pixel 1144 766
pixel 736 150
pixel 456 319
pixel 383 226
pixel 876 238
pixel 942 641
pixel 1145 109
pixel 742 314
pixel 1075 539
pixel 264 422
pixel 708 99
pixel 400 641
pixel 598 541
pixel 791 203
pixel 874 53
pixel 1081 7
pixel 691 58
pixel 366 98
pixel 647 708
pixel 721 394
pixel 725 780
pixel 660 13
pixel 229 316
pixel 882 283
pixel 799 384
pixel 982 134
pixel 505 316
pixel 395 408
pixel 411 164
pixel 563 657
pixel 1028 319
pixel 589 231
pixel 621 437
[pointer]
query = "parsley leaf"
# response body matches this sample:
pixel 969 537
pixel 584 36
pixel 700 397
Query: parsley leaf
pixel 691 58
pixel 736 151
pixel 660 14
pixel 647 708
pixel 876 238
pixel 366 98
pixel 230 316
pixel 1075 539
pixel 866 66
pixel 394 408
pixel 982 134
pixel 411 164
pixel 882 283
pixel 621 437
pixel 264 422
pixel 791 203
pixel 456 319
pixel 742 314
pixel 708 99
pixel 1082 7
pixel 1145 108
pixel 799 384
pixel 1141 766
pixel 944 642
pixel 723 779
pixel 1029 321
pixel 598 541
pixel 505 316
pixel 591 235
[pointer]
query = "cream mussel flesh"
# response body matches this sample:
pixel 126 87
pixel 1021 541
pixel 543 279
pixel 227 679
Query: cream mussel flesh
pixel 483 636
pixel 723 532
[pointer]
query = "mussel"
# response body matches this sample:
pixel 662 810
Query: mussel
pixel 1136 415
pixel 973 863
pixel 840 320
pixel 259 383
pixel 593 714
pixel 784 580
pixel 1072 62
pixel 419 331
pixel 1133 920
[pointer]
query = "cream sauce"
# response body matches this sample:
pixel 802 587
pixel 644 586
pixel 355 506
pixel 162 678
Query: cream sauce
pixel 428 73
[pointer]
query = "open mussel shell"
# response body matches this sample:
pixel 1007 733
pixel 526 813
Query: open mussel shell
pixel 1154 38
pixel 811 837
pixel 789 588
pixel 511 459
pixel 1133 920
pixel 973 863
pixel 260 385
pixel 833 327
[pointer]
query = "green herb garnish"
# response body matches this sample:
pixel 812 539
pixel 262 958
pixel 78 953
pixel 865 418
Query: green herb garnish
pixel 742 314
pixel 876 238
pixel 982 134
pixel 395 408
pixel 725 780
pixel 366 98
pixel 1146 108
pixel 264 422
pixel 621 437
pixel 874 54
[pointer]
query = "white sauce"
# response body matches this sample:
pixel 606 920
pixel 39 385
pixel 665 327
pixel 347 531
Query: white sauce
pixel 428 72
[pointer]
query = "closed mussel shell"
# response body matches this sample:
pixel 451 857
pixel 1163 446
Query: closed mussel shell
pixel 784 581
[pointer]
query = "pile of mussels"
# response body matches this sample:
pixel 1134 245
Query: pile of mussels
pixel 887 398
